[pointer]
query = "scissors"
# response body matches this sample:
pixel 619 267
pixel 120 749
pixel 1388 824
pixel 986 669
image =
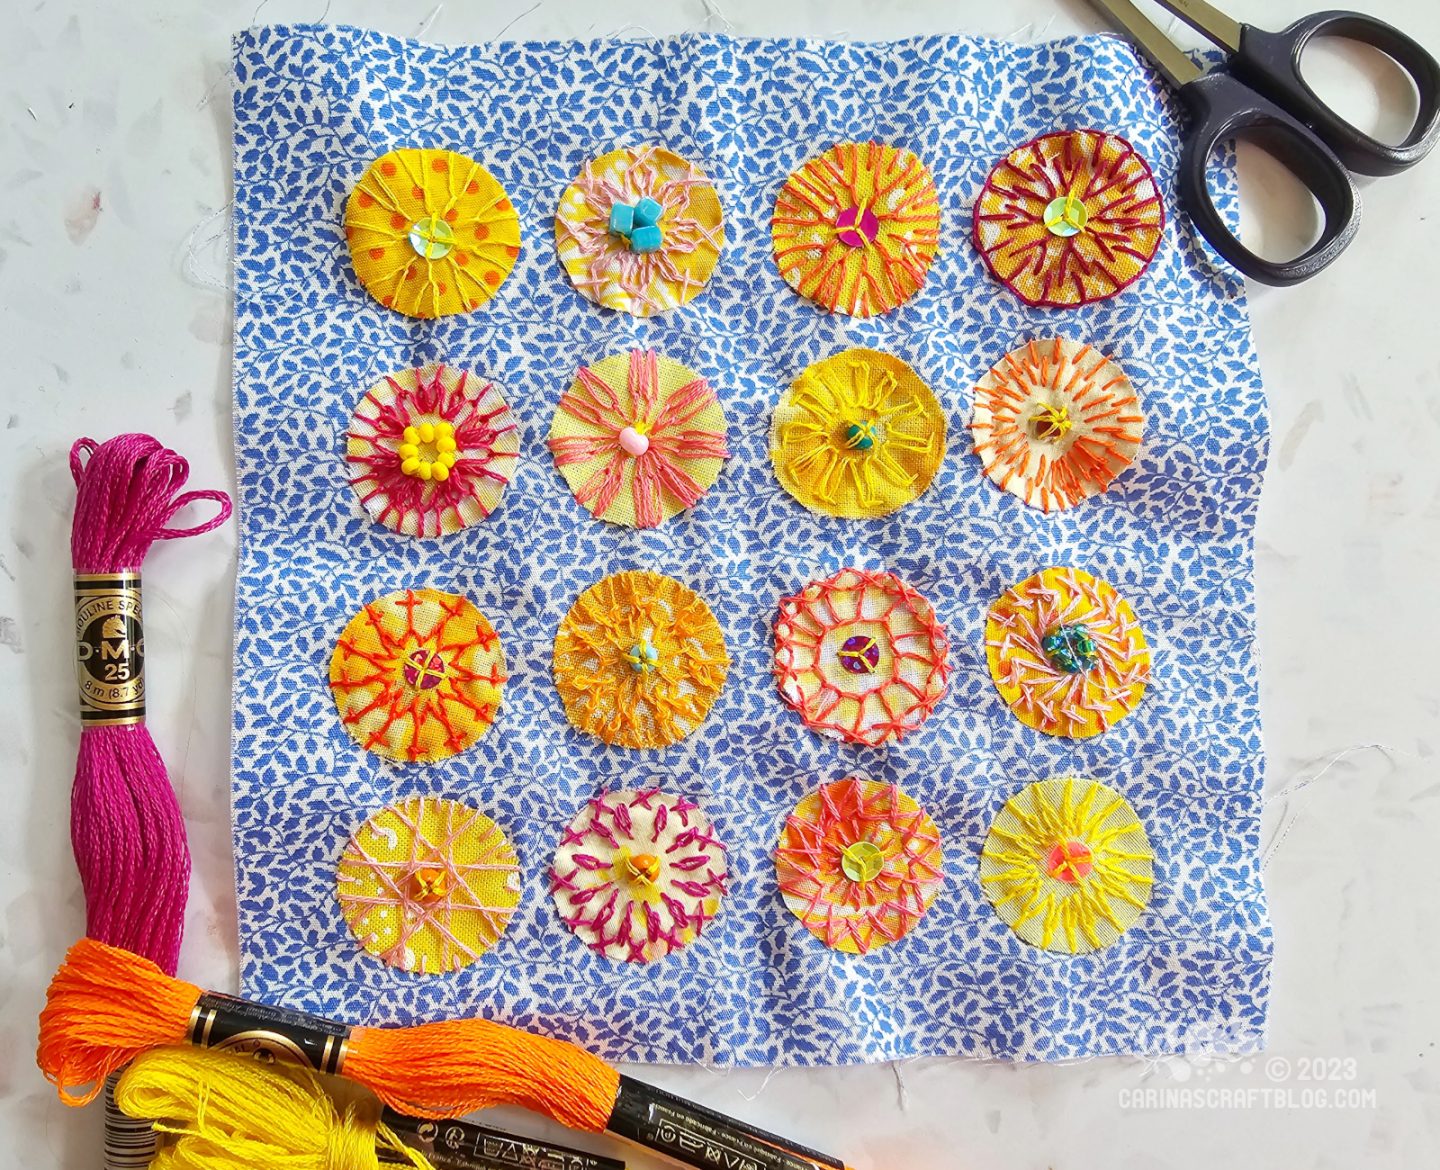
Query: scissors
pixel 1259 94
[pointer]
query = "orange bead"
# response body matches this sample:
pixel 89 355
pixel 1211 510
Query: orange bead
pixel 397 221
pixel 492 278
pixel 472 188
pixel 482 232
pixel 417 192
pixel 451 216
pixel 462 259
pixel 387 168
pixel 377 253
pixel 439 164
pixel 365 199
pixel 512 251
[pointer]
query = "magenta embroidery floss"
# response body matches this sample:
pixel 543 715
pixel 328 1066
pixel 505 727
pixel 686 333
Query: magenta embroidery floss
pixel 125 823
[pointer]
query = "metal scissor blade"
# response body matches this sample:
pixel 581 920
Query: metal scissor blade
pixel 1208 21
pixel 1164 54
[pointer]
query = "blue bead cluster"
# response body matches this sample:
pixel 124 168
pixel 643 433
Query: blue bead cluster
pixel 1070 648
pixel 638 224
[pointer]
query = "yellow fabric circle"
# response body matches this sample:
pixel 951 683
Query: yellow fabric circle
pixel 417 675
pixel 1055 903
pixel 679 420
pixel 428 885
pixel 639 660
pixel 431 232
pixel 1043 695
pixel 602 265
pixel 856 228
pixel 822 461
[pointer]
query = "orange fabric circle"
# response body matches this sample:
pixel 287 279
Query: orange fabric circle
pixel 856 228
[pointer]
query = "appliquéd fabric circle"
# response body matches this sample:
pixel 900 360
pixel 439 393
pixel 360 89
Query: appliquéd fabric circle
pixel 432 450
pixel 856 228
pixel 1067 865
pixel 1067 653
pixel 638 438
pixel 858 434
pixel 417 675
pixel 859 863
pixel 1055 422
pixel 639 660
pixel 431 232
pixel 638 874
pixel 640 230
pixel 861 656
pixel 428 885
pixel 1069 218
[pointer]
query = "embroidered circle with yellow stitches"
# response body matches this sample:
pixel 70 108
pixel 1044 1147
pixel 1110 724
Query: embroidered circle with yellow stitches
pixel 858 863
pixel 431 450
pixel 855 228
pixel 639 660
pixel 1067 865
pixel 431 232
pixel 417 675
pixel 1055 422
pixel 428 885
pixel 640 230
pixel 858 434
pixel 1067 653
pixel 1069 218
pixel 861 656
pixel 638 874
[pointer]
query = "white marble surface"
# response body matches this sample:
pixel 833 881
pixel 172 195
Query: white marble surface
pixel 114 177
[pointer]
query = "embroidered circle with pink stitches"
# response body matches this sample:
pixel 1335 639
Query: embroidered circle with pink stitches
pixel 1049 687
pixel 639 438
pixel 861 656
pixel 638 874
pixel 431 450
pixel 428 885
pixel 858 863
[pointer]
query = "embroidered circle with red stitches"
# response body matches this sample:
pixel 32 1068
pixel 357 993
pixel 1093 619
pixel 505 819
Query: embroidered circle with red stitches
pixel 431 451
pixel 861 656
pixel 417 675
pixel 1069 218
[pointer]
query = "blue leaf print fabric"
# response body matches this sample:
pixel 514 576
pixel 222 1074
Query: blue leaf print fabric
pixel 313 107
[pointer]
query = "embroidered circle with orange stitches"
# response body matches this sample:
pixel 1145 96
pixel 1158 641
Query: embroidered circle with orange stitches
pixel 428 885
pixel 1069 218
pixel 1054 422
pixel 858 863
pixel 431 232
pixel 1066 653
pixel 639 660
pixel 855 228
pixel 861 656
pixel 417 675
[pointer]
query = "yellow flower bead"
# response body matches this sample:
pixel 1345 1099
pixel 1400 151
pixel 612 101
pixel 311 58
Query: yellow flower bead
pixel 411 435
pixel 440 472
pixel 410 466
pixel 427 432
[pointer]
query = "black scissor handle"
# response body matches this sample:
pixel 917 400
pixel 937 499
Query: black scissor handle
pixel 1270 63
pixel 1222 108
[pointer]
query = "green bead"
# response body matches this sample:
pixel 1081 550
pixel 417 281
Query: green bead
pixel 860 436
pixel 1070 648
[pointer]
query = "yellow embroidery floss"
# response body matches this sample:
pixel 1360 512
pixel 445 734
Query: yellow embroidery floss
pixel 215 1112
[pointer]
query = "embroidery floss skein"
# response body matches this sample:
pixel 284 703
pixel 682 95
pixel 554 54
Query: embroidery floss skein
pixel 125 824
pixel 219 1113
pixel 105 1007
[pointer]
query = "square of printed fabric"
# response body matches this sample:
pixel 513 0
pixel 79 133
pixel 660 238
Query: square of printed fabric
pixel 746 549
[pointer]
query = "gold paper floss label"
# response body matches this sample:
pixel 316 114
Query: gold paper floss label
pixel 109 649
pixel 268 1033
